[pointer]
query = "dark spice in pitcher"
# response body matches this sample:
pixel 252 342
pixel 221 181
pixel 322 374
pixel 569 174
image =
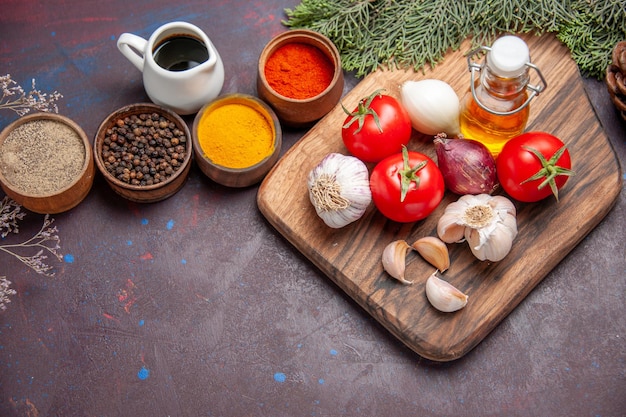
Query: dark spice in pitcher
pixel 180 53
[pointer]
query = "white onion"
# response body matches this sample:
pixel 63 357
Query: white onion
pixel 433 106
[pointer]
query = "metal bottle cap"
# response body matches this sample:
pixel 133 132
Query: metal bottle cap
pixel 508 56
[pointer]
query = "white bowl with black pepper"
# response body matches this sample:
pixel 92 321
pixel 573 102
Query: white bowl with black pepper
pixel 144 152
pixel 46 163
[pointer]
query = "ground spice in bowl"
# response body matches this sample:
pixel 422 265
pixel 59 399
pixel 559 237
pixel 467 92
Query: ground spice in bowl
pixel 235 135
pixel 46 163
pixel 41 157
pixel 299 75
pixel 299 70
pixel 236 140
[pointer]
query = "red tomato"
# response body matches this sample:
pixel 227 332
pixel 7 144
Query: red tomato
pixel 377 128
pixel 406 187
pixel 533 166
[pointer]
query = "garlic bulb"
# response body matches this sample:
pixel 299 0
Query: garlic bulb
pixel 443 295
pixel 433 106
pixel 488 223
pixel 339 189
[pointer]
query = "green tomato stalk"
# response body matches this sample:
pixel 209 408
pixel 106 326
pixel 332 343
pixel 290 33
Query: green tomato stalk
pixel 549 171
pixel 408 174
pixel 363 109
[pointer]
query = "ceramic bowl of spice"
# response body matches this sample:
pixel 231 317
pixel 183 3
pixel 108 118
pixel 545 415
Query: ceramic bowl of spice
pixel 300 76
pixel 236 140
pixel 144 152
pixel 46 163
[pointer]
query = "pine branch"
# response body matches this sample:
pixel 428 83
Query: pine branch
pixel 591 36
pixel 416 33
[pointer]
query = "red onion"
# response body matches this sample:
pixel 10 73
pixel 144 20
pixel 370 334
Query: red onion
pixel 467 165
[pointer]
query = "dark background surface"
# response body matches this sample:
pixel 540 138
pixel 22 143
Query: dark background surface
pixel 196 306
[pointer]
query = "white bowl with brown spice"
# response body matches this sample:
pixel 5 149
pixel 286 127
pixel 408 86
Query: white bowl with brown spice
pixel 46 163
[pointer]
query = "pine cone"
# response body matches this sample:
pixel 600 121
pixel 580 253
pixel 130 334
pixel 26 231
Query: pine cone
pixel 616 78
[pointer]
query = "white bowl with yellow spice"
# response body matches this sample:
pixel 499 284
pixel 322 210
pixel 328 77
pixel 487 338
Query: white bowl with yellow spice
pixel 46 163
pixel 236 140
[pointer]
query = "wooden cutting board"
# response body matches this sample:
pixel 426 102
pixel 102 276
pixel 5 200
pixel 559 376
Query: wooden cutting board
pixel 548 230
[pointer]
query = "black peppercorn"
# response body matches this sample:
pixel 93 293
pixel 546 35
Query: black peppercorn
pixel 143 149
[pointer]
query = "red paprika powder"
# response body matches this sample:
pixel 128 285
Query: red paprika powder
pixel 299 70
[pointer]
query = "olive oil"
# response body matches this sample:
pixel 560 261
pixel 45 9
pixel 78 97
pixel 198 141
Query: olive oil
pixel 496 109
pixel 490 129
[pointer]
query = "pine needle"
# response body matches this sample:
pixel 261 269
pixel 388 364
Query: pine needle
pixel 416 33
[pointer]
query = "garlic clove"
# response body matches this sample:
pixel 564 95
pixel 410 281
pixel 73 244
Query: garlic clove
pixel 394 260
pixel 434 251
pixel 444 296
pixel 500 203
pixel 509 222
pixel 495 249
pixel 473 240
pixel 450 227
pixel 449 230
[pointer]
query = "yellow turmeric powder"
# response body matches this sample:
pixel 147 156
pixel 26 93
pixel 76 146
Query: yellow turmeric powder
pixel 235 135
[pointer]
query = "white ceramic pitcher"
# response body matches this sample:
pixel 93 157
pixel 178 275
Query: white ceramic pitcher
pixel 183 91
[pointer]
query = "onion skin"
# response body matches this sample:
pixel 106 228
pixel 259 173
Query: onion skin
pixel 467 165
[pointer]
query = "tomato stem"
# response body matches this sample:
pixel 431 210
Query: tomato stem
pixel 549 171
pixel 408 174
pixel 363 109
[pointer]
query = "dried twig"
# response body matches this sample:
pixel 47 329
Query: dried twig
pixel 15 98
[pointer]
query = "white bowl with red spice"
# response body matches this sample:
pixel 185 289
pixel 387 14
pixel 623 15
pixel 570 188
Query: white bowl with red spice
pixel 236 140
pixel 46 163
pixel 300 76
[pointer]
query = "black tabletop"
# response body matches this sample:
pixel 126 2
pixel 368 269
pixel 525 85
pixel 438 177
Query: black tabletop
pixel 196 306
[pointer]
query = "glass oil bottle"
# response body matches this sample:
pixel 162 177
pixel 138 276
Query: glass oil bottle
pixel 496 107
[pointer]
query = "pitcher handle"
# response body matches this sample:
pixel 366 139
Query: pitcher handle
pixel 133 47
